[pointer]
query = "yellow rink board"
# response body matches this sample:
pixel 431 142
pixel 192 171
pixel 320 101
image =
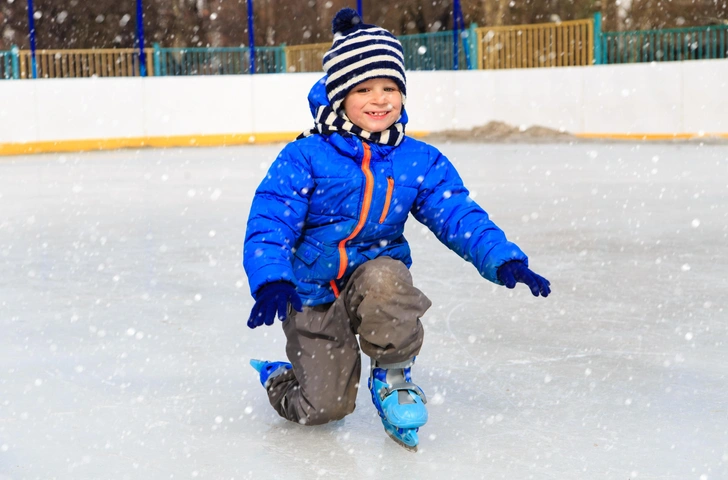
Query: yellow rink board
pixel 263 138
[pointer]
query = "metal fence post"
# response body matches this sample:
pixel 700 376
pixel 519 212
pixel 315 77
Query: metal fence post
pixel 140 38
pixel 456 35
pixel 598 60
pixel 251 36
pixel 14 54
pixel 31 29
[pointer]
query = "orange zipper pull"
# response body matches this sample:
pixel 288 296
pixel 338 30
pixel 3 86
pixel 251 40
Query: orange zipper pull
pixel 388 199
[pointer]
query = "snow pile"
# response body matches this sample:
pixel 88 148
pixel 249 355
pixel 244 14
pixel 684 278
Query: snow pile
pixel 503 132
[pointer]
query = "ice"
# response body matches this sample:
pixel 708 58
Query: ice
pixel 140 369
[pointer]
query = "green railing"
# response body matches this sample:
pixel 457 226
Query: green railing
pixel 434 51
pixel 9 64
pixel 693 43
pixel 216 61
pixel 6 66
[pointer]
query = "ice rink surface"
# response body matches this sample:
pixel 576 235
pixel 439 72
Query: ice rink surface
pixel 124 350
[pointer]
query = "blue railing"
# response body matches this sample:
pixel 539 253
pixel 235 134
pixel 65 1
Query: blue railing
pixel 692 43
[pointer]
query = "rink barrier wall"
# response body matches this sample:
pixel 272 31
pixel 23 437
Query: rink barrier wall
pixel 144 142
pixel 635 101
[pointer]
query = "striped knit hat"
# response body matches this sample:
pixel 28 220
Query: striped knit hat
pixel 360 52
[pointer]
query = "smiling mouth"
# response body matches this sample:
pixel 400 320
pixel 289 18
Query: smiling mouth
pixel 378 114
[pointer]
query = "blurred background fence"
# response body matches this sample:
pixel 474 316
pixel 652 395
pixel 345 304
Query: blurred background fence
pixel 434 51
pixel 111 62
pixel 8 65
pixel 694 43
pixel 564 44
pixel 558 44
pixel 215 61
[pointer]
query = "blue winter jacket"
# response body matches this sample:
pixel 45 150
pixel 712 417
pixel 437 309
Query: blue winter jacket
pixel 330 203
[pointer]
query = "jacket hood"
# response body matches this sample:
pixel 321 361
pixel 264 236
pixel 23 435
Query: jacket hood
pixel 317 97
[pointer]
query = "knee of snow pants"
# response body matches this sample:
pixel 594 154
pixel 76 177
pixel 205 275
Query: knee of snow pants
pixel 385 309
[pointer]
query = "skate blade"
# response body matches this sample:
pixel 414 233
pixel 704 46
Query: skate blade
pixel 405 437
pixel 399 442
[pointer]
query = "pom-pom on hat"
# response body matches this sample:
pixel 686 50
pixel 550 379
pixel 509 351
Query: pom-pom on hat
pixel 360 52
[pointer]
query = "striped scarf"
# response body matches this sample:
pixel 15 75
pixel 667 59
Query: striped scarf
pixel 328 122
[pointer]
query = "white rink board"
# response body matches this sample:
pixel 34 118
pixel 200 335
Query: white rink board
pixel 644 98
pixel 94 108
pixel 18 117
pixel 197 105
pixel 706 86
pixel 280 103
pixel 666 98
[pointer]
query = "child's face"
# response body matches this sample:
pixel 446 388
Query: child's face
pixel 374 105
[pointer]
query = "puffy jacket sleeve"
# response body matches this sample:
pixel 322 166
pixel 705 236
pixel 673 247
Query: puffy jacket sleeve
pixel 276 219
pixel 443 204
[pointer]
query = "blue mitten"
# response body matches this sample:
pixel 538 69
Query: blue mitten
pixel 516 271
pixel 271 298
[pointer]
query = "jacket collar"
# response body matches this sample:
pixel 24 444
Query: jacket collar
pixel 351 146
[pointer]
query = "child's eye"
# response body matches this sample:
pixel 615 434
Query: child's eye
pixel 362 90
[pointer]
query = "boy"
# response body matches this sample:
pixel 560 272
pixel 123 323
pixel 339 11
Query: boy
pixel 324 248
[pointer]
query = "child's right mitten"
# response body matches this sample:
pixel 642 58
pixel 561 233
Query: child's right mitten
pixel 273 298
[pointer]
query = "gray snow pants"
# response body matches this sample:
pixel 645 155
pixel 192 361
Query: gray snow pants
pixel 382 306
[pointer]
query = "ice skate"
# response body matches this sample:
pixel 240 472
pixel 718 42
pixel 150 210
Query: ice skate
pixel 269 370
pixel 400 403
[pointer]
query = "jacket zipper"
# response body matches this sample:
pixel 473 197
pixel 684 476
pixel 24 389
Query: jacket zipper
pixel 366 205
pixel 388 199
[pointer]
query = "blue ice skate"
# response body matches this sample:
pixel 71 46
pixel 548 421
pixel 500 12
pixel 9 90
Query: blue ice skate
pixel 400 403
pixel 269 370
